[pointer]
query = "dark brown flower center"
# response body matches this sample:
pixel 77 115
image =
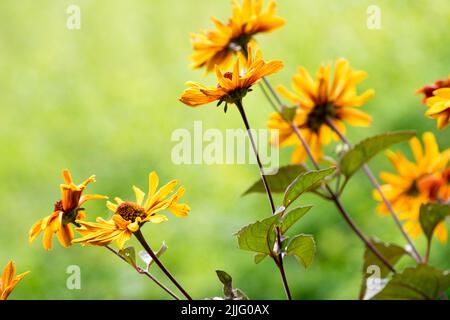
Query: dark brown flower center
pixel 130 211
pixel 318 116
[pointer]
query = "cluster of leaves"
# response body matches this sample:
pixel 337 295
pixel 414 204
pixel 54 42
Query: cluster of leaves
pixel 419 282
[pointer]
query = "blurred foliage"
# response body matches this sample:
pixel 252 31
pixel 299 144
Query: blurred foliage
pixel 103 100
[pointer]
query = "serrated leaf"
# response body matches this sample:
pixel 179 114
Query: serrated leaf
pixel 129 255
pixel 431 215
pixel 422 282
pixel 365 150
pixel 256 236
pixel 291 217
pixel 304 183
pixel 279 181
pixel 259 257
pixel 303 248
pixel 391 252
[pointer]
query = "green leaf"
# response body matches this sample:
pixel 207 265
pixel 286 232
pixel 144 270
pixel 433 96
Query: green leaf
pixel 391 252
pixel 129 255
pixel 289 112
pixel 279 181
pixel 431 215
pixel 227 281
pixel 259 257
pixel 303 183
pixel 303 248
pixel 256 236
pixel 291 217
pixel 422 282
pixel 148 259
pixel 368 148
pixel 228 291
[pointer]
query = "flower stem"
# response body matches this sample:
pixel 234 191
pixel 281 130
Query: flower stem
pixel 146 273
pixel 376 185
pixel 335 198
pixel 138 234
pixel 279 259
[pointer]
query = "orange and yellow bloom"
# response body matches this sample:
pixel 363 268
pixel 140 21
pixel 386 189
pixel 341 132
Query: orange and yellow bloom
pixel 9 280
pixel 439 107
pixel 217 47
pixel 128 217
pixel 232 86
pixel 417 182
pixel 65 212
pixel 325 98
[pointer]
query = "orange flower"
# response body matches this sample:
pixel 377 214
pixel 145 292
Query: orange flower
pixel 232 86
pixel 9 280
pixel 65 212
pixel 216 47
pixel 129 216
pixel 424 181
pixel 320 99
pixel 439 107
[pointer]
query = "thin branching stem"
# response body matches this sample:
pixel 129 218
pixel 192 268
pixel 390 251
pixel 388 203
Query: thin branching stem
pixel 335 197
pixel 279 259
pixel 377 186
pixel 138 234
pixel 147 274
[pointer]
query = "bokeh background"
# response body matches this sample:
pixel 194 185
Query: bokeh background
pixel 103 100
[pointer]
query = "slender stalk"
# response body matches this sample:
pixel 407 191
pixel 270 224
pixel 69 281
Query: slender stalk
pixel 427 253
pixel 377 186
pixel 146 273
pixel 279 260
pixel 138 234
pixel 334 197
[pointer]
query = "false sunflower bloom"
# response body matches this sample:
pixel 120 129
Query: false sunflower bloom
pixel 232 86
pixel 439 107
pixel 9 280
pixel 65 212
pixel 319 100
pixel 128 217
pixel 216 47
pixel 417 182
pixel 428 89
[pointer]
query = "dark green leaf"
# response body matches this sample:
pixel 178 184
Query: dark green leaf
pixel 431 215
pixel 226 280
pixel 391 252
pixel 303 248
pixel 422 282
pixel 304 183
pixel 291 217
pixel 256 236
pixel 368 148
pixel 279 181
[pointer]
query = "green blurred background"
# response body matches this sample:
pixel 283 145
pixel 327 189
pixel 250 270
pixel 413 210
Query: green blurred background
pixel 103 100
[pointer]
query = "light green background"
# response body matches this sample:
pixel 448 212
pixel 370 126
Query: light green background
pixel 103 100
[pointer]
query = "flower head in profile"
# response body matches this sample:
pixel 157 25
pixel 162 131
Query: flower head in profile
pixel 9 280
pixel 129 216
pixel 217 47
pixel 65 212
pixel 232 86
pixel 439 107
pixel 325 98
pixel 424 180
pixel 428 89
